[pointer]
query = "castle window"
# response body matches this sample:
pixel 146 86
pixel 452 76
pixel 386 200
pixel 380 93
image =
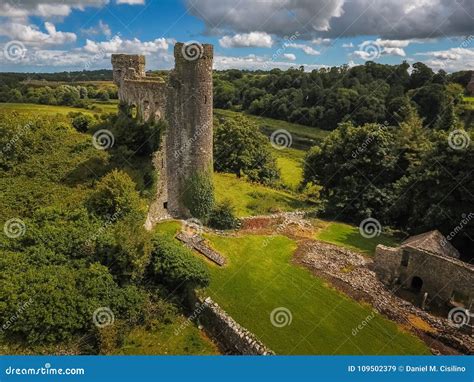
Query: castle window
pixel 165 205
pixel 405 258
pixel 205 99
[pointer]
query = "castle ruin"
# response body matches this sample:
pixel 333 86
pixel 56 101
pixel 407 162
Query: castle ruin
pixel 184 101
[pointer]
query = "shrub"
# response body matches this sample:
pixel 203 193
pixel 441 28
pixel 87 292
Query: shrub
pixel 115 195
pixel 223 216
pixel 82 122
pixel 175 266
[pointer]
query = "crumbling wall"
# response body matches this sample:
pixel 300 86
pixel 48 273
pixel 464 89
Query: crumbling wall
pixel 228 333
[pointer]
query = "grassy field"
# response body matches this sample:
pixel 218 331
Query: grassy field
pixel 349 236
pixel 312 134
pixel 290 163
pixel 254 199
pixel 260 278
pixel 101 107
pixel 178 338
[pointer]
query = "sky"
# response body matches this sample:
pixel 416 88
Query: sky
pixel 64 35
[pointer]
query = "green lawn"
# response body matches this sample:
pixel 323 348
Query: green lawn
pixel 254 199
pixel 260 278
pixel 349 236
pixel 302 131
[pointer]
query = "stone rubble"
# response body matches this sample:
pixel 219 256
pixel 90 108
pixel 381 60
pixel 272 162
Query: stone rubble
pixel 198 243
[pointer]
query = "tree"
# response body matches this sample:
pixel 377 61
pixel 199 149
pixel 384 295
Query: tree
pixel 115 195
pixel 356 167
pixel 239 148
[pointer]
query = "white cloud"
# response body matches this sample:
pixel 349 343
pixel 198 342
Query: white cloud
pixel 305 48
pixel 131 2
pixel 100 28
pixel 45 8
pixel 349 45
pixel 289 56
pixel 321 41
pixel 373 49
pixel 119 45
pixel 450 60
pixel 252 39
pixel 30 34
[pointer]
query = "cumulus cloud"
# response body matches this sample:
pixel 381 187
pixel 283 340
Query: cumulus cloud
pixel 289 56
pixel 373 49
pixel 279 17
pixel 134 46
pixel 391 19
pixel 32 35
pixel 45 8
pixel 305 48
pixel 131 2
pixel 252 39
pixel 100 28
pixel 450 60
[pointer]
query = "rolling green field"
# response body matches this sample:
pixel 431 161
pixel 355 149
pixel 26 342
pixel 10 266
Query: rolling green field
pixel 260 278
pixel 101 107
pixel 290 163
pixel 252 199
pixel 349 236
pixel 311 133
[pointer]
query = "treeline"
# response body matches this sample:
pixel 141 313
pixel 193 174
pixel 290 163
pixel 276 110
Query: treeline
pixel 67 95
pixel 370 93
pixel 13 79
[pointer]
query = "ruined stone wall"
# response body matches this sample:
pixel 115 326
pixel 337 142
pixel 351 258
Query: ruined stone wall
pixel 441 276
pixel 228 333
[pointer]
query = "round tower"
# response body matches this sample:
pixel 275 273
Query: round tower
pixel 189 136
pixel 127 66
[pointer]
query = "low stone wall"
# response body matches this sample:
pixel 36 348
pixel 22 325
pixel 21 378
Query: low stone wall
pixel 198 243
pixel 228 333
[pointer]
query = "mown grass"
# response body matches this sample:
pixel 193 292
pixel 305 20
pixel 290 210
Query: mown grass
pixel 349 237
pixel 260 278
pixel 252 199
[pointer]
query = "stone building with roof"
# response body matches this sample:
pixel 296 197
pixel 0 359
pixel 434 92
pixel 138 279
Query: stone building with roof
pixel 427 264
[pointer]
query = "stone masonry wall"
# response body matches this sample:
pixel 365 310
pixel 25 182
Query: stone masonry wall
pixel 228 333
pixel 441 276
pixel 185 102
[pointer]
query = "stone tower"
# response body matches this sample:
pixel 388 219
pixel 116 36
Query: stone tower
pixel 185 102
pixel 189 106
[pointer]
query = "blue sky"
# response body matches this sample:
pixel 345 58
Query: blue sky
pixel 58 35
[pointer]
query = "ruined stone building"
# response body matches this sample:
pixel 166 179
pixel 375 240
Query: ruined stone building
pixel 184 101
pixel 428 263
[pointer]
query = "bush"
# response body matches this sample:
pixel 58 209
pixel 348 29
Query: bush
pixel 115 195
pixel 175 266
pixel 223 216
pixel 82 122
